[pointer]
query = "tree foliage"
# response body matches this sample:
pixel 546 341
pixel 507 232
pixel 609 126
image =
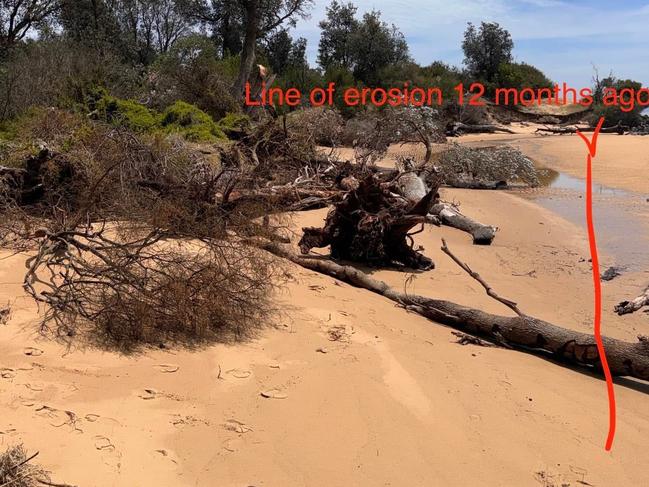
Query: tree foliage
pixel 365 47
pixel 614 100
pixel 335 47
pixel 137 29
pixel 486 48
pixel 522 75
pixel 19 17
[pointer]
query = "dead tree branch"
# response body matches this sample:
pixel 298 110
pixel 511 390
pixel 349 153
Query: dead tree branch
pixel 615 129
pixel 465 267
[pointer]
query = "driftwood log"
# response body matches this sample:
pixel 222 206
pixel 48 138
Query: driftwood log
pixel 413 188
pixel 615 129
pixel 477 184
pixel 521 332
pixel 449 215
pixel 628 307
pixel 372 225
pixel 459 128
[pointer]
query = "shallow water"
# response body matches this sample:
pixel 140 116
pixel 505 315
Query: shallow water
pixel 620 216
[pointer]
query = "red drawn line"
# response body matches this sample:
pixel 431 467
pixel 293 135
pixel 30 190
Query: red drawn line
pixel 592 151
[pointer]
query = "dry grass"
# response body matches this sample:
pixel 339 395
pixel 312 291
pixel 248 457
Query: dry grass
pixel 17 471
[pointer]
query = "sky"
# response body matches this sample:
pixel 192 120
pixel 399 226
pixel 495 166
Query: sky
pixel 563 38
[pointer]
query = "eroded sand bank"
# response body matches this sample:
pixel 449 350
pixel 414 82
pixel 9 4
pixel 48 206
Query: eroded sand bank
pixel 393 401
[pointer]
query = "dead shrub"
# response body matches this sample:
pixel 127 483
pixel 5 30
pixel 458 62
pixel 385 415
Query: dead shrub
pixel 493 164
pixel 372 132
pixel 17 471
pixel 150 290
pixel 137 240
pixel 323 126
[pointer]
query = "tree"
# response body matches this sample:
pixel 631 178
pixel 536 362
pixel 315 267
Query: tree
pixel 261 18
pixel 615 101
pixel 92 23
pixel 486 48
pixel 522 75
pixel 137 29
pixel 335 39
pixel 153 24
pixel 19 17
pixel 240 24
pixel 284 53
pixel 374 46
pixel 224 18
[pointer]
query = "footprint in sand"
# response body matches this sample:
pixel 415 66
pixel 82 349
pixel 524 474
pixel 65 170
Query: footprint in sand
pixel 103 444
pixel 273 394
pixel 34 388
pixel 59 418
pixel 7 373
pixel 227 445
pixel 239 373
pixel 167 454
pixel 167 368
pixel 149 394
pixel 236 426
pixel 92 418
pixel 33 352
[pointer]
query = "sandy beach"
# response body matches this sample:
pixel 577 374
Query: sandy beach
pixel 344 388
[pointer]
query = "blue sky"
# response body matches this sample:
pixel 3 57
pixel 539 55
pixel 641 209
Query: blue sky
pixel 563 38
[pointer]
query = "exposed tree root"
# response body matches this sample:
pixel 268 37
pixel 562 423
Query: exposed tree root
pixel 373 226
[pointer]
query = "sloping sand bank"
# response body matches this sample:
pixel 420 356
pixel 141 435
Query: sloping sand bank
pixel 621 161
pixel 393 401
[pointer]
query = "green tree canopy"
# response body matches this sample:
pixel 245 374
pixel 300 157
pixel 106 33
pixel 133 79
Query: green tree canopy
pixel 485 49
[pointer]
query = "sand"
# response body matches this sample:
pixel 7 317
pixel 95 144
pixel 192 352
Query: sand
pixel 360 391
pixel 621 161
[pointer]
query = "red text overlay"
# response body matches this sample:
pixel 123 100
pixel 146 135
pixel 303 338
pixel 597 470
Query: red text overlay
pixel 627 99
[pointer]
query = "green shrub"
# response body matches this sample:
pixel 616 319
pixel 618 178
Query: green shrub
pixel 191 122
pixel 522 75
pixel 127 113
pixel 234 123
pixel 180 118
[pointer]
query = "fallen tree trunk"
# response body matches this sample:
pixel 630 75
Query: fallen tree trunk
pixel 615 129
pixel 450 216
pixel 524 333
pixel 413 188
pixel 459 128
pixel 477 184
pixel 628 307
